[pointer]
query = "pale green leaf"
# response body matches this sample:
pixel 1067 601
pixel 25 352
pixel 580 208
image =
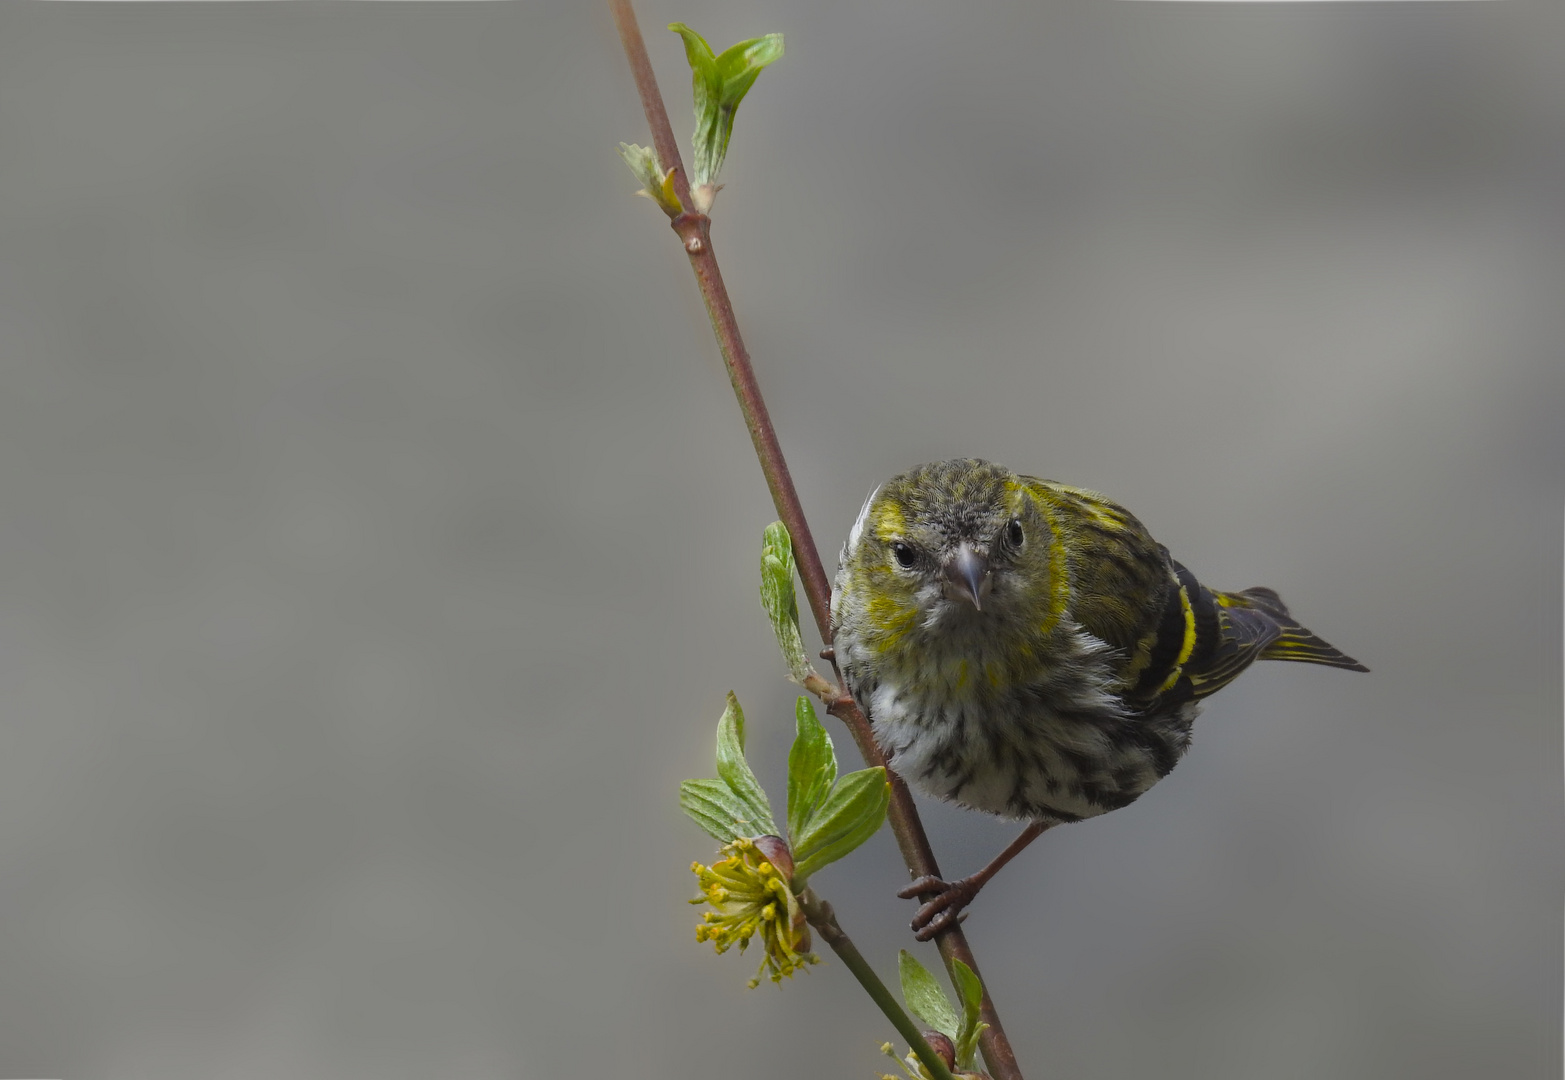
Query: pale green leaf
pixel 734 770
pixel 968 988
pixel 656 184
pixel 740 65
pixel 779 600
pixel 718 85
pixel 706 88
pixel 970 992
pixel 702 60
pixel 812 768
pixel 850 814
pixel 924 997
pixel 713 806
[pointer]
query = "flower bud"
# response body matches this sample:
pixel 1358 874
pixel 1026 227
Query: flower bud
pixel 775 850
pixel 944 1049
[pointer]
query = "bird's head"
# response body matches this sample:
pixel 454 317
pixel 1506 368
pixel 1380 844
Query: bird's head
pixel 949 544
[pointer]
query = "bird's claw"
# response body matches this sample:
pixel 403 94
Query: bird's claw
pixel 944 908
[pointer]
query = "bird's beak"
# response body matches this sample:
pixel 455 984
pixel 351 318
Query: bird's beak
pixel 967 576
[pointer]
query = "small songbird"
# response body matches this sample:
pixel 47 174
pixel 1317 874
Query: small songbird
pixel 1027 649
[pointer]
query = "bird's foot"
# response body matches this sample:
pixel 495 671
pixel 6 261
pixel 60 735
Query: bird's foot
pixel 945 907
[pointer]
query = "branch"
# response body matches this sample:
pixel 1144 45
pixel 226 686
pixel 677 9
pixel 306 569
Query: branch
pixel 694 230
pixel 824 920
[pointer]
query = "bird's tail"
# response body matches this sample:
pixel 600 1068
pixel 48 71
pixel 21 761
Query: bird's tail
pixel 1293 642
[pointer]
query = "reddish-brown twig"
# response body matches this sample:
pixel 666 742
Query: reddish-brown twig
pixel 694 231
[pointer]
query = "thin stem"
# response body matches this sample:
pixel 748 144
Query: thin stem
pixel 663 140
pixel 824 920
pixel 694 231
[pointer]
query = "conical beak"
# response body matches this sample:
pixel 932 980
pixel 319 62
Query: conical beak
pixel 967 576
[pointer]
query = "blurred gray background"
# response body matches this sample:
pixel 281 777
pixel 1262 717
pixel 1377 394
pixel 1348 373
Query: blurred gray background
pixel 379 532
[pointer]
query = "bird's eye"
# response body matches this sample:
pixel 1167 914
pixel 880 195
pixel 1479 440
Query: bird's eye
pixel 1013 533
pixel 905 554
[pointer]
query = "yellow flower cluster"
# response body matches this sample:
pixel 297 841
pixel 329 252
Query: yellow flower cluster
pixel 752 898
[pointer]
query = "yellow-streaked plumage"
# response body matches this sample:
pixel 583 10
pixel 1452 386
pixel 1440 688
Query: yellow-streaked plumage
pixel 1026 648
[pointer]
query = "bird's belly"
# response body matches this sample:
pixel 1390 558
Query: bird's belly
pixel 1023 756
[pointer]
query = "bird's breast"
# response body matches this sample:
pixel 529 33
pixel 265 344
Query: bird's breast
pixel 1045 739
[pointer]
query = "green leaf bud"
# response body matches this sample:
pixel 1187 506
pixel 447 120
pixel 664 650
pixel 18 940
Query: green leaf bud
pixel 718 84
pixel 780 601
pixel 656 184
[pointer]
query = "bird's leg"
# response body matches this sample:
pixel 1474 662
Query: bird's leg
pixel 950 898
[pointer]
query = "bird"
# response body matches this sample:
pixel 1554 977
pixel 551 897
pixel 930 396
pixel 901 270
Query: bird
pixel 1025 648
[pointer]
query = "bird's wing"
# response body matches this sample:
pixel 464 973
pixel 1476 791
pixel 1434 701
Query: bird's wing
pixel 1230 636
pixel 1254 624
pixel 1123 587
pixel 1177 640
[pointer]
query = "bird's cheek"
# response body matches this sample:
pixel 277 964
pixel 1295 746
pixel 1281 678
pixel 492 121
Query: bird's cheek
pixel 891 614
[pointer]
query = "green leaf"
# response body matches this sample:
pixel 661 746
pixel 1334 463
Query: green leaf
pixel 706 87
pixel 718 84
pixel 656 184
pixel 740 65
pixel 925 999
pixel 703 62
pixel 777 597
pixel 734 771
pixel 812 768
pixel 711 805
pixel 970 991
pixel 850 815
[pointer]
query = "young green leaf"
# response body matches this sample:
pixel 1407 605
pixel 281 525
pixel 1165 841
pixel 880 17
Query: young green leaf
pixel 850 814
pixel 734 771
pixel 656 184
pixel 779 600
pixel 924 997
pixel 970 992
pixel 711 804
pixel 718 84
pixel 740 65
pixel 812 767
